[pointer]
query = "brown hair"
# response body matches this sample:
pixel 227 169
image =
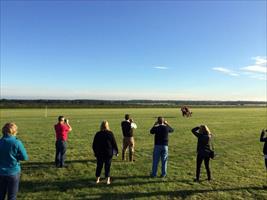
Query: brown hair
pixel 104 126
pixel 203 129
pixel 10 128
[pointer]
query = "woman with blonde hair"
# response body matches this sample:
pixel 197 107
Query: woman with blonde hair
pixel 204 150
pixel 104 146
pixel 11 152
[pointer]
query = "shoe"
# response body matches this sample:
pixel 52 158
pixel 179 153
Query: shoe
pixel 108 181
pixel 163 176
pixel 152 176
pixel 97 180
pixel 196 180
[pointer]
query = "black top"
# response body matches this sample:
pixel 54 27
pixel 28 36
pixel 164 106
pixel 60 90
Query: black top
pixel 127 131
pixel 203 143
pixel 104 144
pixel 264 139
pixel 161 134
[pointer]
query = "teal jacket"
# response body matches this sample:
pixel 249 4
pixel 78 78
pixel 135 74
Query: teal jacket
pixel 11 152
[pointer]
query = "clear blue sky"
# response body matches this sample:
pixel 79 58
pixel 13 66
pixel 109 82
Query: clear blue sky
pixel 196 50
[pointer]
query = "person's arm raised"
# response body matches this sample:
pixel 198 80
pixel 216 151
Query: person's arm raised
pixel 263 138
pixel 195 131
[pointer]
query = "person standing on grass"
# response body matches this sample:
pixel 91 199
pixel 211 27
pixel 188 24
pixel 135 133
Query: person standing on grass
pixel 203 149
pixel 161 129
pixel 62 129
pixel 128 127
pixel 263 138
pixel 11 152
pixel 104 146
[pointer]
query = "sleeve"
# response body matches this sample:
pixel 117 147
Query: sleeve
pixel 153 130
pixel 195 131
pixel 22 153
pixel 94 146
pixel 133 125
pixel 262 138
pixel 114 144
pixel 170 129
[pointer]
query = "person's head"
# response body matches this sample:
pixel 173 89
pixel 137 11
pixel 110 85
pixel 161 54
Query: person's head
pixel 104 126
pixel 160 120
pixel 10 129
pixel 203 129
pixel 127 116
pixel 61 119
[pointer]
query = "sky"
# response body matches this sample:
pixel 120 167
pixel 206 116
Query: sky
pixel 122 50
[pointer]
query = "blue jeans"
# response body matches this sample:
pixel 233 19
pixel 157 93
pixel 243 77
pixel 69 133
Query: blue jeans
pixel 61 147
pixel 9 185
pixel 160 151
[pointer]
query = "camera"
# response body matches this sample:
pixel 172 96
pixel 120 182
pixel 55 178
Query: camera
pixel 66 121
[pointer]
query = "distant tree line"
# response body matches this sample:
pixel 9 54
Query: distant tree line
pixel 41 103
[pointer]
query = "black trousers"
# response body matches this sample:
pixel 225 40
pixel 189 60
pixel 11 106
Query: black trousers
pixel 266 163
pixel 99 166
pixel 206 162
pixel 61 147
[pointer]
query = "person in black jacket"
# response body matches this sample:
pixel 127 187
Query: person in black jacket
pixel 161 129
pixel 104 146
pixel 203 149
pixel 127 127
pixel 263 138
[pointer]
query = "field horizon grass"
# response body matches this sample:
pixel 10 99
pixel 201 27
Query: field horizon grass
pixel 238 170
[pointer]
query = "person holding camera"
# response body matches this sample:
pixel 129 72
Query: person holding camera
pixel 104 146
pixel 128 127
pixel 11 152
pixel 62 129
pixel 263 138
pixel 203 149
pixel 161 130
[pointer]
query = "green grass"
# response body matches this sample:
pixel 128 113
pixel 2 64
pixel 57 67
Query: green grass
pixel 238 170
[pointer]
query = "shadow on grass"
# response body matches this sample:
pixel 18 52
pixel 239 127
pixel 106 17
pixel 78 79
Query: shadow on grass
pixel 64 185
pixel 170 194
pixel 46 165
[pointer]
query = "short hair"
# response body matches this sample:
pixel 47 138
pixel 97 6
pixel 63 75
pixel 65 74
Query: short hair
pixel 160 120
pixel 104 126
pixel 60 118
pixel 127 116
pixel 8 128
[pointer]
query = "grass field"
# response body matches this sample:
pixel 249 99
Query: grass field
pixel 238 170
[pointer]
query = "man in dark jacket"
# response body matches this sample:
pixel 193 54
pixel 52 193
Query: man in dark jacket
pixel 263 138
pixel 127 127
pixel 161 129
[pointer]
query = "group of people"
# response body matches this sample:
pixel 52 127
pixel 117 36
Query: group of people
pixel 105 147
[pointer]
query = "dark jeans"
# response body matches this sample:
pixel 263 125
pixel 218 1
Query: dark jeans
pixel 9 185
pixel 61 147
pixel 99 166
pixel 206 162
pixel 266 163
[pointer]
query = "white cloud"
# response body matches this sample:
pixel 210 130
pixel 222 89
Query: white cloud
pixel 260 65
pixel 225 71
pixel 258 70
pixel 160 67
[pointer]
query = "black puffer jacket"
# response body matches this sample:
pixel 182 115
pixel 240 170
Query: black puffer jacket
pixel 203 143
pixel 264 139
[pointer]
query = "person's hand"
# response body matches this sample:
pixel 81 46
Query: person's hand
pixel 117 155
pixel 165 122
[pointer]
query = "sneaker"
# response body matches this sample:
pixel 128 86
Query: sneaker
pixel 108 181
pixel 196 180
pixel 97 180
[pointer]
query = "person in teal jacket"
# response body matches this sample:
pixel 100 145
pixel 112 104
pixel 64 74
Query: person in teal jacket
pixel 11 152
